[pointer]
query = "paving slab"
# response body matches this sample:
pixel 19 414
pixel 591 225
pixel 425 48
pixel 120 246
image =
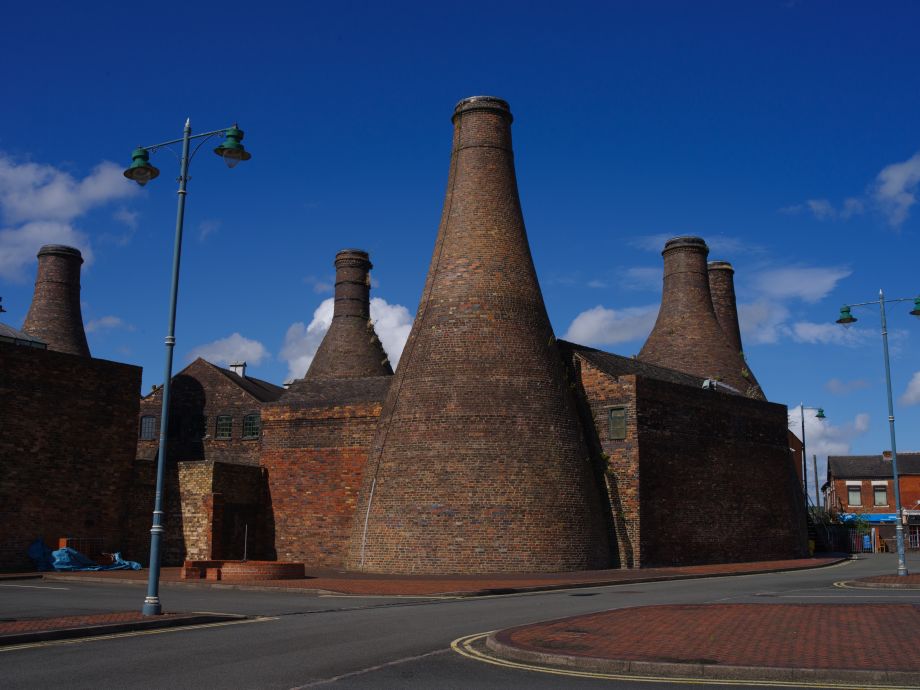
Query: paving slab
pixel 369 584
pixel 772 642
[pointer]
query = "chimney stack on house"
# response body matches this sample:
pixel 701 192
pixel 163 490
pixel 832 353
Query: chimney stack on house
pixel 479 449
pixel 239 368
pixel 687 335
pixel 722 289
pixel 54 315
pixel 351 348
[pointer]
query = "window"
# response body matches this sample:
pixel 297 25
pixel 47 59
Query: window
pixel 252 425
pixel 880 494
pixel 616 423
pixel 854 494
pixel 148 428
pixel 224 428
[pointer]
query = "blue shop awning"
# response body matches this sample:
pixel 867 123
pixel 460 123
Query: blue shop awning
pixel 872 518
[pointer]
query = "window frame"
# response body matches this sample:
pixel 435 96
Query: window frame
pixel 153 428
pixel 612 434
pixel 850 489
pixel 258 426
pixel 223 434
pixel 877 488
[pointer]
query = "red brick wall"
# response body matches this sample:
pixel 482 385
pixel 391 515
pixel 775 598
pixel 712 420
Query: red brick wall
pixel 66 448
pixel 621 456
pixel 910 495
pixel 315 459
pixel 716 481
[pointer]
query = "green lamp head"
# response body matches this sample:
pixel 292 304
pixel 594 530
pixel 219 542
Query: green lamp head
pixel 140 169
pixel 916 310
pixel 846 318
pixel 231 150
pixel 820 414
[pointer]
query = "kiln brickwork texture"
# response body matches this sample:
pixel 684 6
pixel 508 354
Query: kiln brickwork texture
pixel 479 463
pixel 351 348
pixel 687 336
pixel 54 315
pixel 722 289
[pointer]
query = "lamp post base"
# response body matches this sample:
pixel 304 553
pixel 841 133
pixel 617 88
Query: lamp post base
pixel 152 607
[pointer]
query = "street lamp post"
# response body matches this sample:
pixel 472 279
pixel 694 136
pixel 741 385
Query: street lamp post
pixel 141 171
pixel 846 319
pixel 820 415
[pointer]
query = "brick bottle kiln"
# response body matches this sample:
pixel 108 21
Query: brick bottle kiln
pixel 479 463
pixel 687 335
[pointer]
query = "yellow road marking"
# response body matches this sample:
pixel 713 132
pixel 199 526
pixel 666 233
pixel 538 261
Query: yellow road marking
pixel 464 647
pixel 134 633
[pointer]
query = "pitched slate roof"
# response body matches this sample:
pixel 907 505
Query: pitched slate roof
pixel 11 335
pixel 871 466
pixel 617 365
pixel 334 392
pixel 257 388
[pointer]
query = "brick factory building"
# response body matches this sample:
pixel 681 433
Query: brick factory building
pixel 864 485
pixel 493 447
pixel 68 440
pixel 215 490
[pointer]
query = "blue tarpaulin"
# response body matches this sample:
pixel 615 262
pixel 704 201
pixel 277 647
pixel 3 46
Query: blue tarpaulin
pixel 68 559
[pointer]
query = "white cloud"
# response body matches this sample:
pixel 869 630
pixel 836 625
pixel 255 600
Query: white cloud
pixel 829 334
pixel 597 284
pixel 233 348
pixel 207 227
pixel 762 322
pixel 39 204
pixel 602 326
pixel 321 285
pixel 822 438
pixel 823 209
pixel 127 217
pixel 642 278
pixel 839 387
pixel 108 323
pixel 896 189
pixel 808 284
pixel 911 394
pixel 392 322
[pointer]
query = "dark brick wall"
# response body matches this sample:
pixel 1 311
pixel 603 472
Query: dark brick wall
pixel 315 459
pixel 621 456
pixel 54 315
pixel 201 391
pixel 66 448
pixel 717 484
pixel 479 463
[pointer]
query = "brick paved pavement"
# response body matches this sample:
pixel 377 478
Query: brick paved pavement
pixel 894 581
pixel 27 625
pixel 758 640
pixel 428 585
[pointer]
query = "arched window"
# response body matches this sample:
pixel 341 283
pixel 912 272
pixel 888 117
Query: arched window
pixel 252 426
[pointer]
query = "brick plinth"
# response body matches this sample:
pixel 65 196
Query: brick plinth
pixel 54 315
pixel 479 464
pixel 687 335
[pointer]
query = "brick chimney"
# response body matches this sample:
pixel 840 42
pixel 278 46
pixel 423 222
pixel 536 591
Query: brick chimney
pixel 687 335
pixel 55 315
pixel 722 289
pixel 351 347
pixel 478 464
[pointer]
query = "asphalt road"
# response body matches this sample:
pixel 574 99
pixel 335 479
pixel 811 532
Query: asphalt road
pixel 358 642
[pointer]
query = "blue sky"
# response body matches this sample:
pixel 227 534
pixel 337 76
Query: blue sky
pixel 785 133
